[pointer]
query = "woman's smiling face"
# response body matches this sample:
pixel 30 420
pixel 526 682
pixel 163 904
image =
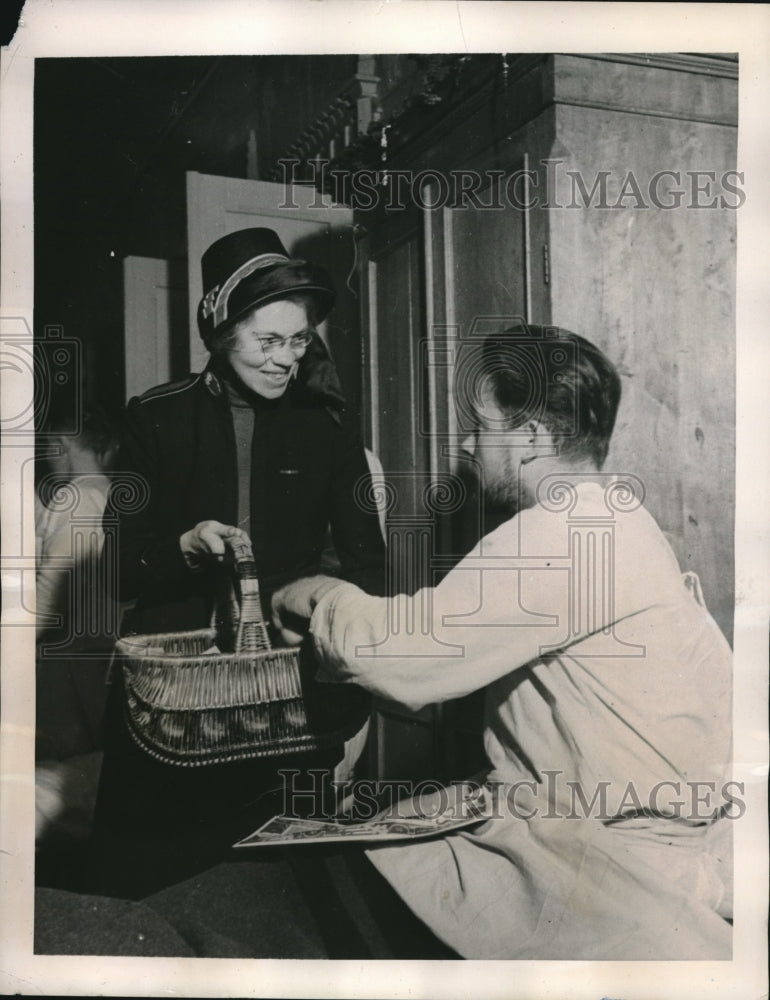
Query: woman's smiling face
pixel 266 345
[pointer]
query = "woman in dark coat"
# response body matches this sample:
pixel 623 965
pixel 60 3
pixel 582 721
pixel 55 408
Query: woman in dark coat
pixel 260 445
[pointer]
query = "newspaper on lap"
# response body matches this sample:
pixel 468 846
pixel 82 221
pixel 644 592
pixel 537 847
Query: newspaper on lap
pixel 284 830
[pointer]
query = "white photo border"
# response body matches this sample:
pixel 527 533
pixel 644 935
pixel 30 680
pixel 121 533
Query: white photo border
pixel 180 27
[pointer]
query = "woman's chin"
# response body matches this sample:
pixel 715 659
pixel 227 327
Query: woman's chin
pixel 271 393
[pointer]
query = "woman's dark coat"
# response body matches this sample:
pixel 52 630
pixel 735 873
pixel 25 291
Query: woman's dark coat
pixel 307 463
pixel 156 823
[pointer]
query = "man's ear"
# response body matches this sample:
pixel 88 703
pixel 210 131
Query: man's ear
pixel 539 442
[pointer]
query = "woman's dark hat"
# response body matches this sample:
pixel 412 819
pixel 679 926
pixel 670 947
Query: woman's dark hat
pixel 250 268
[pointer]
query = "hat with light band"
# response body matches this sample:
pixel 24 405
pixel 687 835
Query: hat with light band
pixel 250 268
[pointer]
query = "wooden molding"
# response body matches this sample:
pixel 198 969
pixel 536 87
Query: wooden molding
pixel 713 64
pixel 689 88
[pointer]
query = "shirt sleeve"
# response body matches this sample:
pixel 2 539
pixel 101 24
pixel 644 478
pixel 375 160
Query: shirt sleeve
pixel 495 612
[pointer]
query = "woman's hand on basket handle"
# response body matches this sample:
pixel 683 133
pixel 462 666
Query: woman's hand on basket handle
pixel 294 604
pixel 207 541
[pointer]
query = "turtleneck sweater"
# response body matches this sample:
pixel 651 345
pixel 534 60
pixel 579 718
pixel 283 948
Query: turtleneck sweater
pixel 243 425
pixel 243 405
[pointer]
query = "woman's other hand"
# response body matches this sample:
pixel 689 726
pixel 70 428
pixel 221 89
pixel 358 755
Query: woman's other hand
pixel 293 605
pixel 207 540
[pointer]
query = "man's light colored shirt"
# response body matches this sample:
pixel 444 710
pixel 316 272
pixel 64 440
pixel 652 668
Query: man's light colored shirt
pixel 604 679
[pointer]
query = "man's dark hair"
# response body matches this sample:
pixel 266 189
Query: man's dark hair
pixel 97 431
pixel 558 378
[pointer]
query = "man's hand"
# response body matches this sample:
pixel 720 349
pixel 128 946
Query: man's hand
pixel 294 604
pixel 207 541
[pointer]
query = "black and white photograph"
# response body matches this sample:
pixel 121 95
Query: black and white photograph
pixel 384 499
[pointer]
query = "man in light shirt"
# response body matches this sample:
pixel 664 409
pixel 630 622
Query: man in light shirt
pixel 68 516
pixel 607 689
pixel 76 625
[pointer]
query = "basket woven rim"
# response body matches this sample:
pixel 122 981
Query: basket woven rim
pixel 135 689
pixel 135 648
pixel 146 638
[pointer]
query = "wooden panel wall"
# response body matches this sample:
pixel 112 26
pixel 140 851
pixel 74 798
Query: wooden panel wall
pixel 655 288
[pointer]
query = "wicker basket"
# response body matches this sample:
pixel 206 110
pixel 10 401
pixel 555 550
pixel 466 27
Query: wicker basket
pixel 189 704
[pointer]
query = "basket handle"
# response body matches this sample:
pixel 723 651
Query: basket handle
pixel 252 634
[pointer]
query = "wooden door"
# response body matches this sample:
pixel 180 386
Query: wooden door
pixel 435 282
pixel 481 284
pixel 396 406
pixel 155 322
pixel 310 226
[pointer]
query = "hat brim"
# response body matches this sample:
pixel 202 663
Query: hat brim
pixel 280 282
